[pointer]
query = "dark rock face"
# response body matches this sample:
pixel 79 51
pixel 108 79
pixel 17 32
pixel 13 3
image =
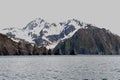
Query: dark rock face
pixel 92 40
pixel 9 47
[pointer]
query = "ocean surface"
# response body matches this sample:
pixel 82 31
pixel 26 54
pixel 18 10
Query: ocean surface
pixel 60 67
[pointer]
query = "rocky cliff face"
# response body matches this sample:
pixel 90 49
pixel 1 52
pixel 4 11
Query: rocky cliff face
pixel 71 37
pixel 9 47
pixel 92 40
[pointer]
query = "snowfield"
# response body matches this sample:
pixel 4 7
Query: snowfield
pixel 40 32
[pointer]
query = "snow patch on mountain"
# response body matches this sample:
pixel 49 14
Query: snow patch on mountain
pixel 40 32
pixel 17 34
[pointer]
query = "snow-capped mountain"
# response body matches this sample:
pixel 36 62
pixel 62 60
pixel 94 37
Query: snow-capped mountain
pixel 40 32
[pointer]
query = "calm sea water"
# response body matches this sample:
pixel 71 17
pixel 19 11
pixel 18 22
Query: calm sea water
pixel 60 68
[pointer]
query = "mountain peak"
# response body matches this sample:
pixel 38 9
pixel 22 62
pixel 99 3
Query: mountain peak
pixel 41 32
pixel 35 23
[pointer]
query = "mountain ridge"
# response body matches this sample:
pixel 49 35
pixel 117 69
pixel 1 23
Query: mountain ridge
pixel 41 32
pixel 97 41
pixel 65 38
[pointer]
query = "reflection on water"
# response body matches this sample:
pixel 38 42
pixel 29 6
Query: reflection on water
pixel 59 68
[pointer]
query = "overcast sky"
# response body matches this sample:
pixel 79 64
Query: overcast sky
pixel 103 13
